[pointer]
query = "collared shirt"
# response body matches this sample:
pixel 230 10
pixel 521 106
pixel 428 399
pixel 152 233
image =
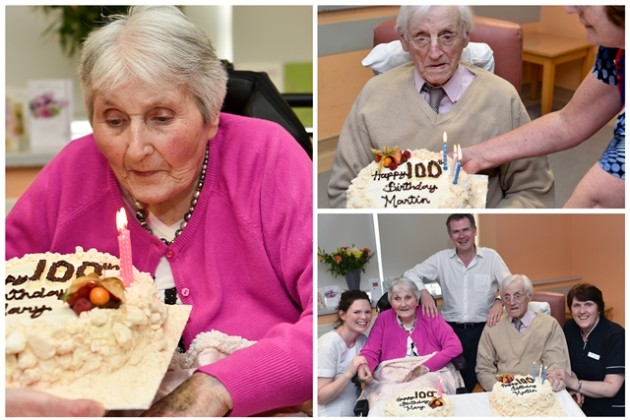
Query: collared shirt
pixel 454 88
pixel 527 319
pixel 468 292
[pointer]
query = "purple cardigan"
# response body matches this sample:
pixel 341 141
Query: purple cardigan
pixel 387 340
pixel 244 261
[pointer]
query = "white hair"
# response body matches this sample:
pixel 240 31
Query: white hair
pixel 527 283
pixel 403 285
pixel 155 46
pixel 408 15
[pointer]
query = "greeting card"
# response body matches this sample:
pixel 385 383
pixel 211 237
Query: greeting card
pixel 49 114
pixel 332 294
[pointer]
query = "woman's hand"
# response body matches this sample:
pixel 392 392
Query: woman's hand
pixel 199 395
pixel 473 160
pixel 579 398
pixel 428 304
pixel 558 379
pixel 416 372
pixel 364 374
pixel 356 362
pixel 32 403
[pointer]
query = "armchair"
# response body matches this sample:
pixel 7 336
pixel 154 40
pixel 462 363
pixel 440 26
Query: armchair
pixel 556 303
pixel 253 94
pixel 505 38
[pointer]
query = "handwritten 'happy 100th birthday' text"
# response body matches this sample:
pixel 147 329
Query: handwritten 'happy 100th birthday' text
pixel 432 169
pixel 19 300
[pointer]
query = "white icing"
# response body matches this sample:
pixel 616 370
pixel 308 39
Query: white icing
pixel 415 403
pixel 525 397
pixel 421 182
pixel 47 343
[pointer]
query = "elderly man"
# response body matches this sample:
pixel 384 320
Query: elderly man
pixel 471 105
pixel 521 337
pixel 469 277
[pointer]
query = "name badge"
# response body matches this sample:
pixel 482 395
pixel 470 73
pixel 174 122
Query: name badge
pixel 593 355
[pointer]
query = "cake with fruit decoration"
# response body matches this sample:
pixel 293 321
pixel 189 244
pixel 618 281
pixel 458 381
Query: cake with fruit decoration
pixel 75 330
pixel 419 403
pixel 524 396
pixel 415 179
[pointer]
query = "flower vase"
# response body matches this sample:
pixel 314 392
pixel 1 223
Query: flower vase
pixel 353 278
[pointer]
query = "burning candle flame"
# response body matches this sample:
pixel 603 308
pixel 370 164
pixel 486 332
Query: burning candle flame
pixel 121 219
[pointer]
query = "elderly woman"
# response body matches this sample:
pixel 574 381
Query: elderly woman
pixel 220 223
pixel 337 351
pixel 597 351
pixel 404 345
pixel 595 102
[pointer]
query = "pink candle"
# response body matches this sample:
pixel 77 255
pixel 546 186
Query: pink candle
pixel 439 388
pixel 124 247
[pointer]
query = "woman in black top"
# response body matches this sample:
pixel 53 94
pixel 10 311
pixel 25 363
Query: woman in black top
pixel 596 348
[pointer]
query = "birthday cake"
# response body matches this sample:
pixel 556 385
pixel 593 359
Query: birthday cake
pixel 419 403
pixel 75 330
pixel 415 179
pixel 524 396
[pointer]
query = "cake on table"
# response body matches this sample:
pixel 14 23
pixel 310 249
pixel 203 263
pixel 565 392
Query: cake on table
pixel 524 396
pixel 419 403
pixel 73 329
pixel 415 179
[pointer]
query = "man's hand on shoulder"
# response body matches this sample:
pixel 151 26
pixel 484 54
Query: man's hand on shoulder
pixel 494 315
pixel 428 304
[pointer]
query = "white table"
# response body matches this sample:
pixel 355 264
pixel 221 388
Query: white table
pixel 476 404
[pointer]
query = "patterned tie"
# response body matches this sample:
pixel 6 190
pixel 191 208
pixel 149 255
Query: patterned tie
pixel 435 96
pixel 517 324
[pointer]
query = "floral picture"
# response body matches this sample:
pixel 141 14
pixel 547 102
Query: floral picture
pixel 46 106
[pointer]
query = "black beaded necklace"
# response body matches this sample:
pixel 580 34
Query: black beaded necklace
pixel 141 213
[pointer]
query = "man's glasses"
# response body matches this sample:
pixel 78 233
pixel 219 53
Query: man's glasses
pixel 423 41
pixel 516 296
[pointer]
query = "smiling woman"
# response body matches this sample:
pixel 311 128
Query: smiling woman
pixel 596 347
pixel 337 355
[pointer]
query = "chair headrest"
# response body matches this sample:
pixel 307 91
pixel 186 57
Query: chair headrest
pixel 386 56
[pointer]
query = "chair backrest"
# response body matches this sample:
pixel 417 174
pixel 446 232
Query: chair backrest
pixel 253 94
pixel 556 303
pixel 505 38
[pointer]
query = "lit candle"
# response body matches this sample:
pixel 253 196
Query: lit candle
pixel 444 152
pixel 459 163
pixel 124 247
pixel 540 372
pixel 439 388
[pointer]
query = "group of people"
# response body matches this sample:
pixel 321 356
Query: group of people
pixel 486 115
pixel 239 241
pixel 485 317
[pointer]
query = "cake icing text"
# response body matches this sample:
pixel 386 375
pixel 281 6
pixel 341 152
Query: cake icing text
pixel 39 300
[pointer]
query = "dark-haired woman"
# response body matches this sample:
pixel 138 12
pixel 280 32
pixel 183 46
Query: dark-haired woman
pixel 596 347
pixel 337 352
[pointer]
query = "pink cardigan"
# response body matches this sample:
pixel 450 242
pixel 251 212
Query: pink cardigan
pixel 244 261
pixel 387 340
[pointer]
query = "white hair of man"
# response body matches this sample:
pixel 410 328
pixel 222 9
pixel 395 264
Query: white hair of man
pixel 154 46
pixel 407 15
pixel 526 282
